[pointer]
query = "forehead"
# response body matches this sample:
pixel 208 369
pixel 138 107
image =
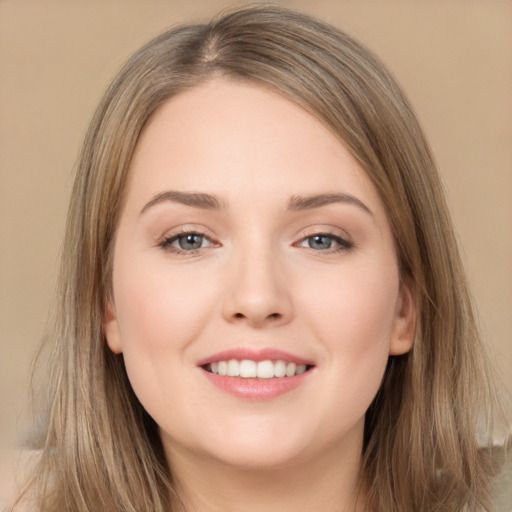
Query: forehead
pixel 224 136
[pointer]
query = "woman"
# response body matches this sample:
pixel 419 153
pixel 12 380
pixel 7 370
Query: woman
pixel 262 304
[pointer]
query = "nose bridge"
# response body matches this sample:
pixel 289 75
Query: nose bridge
pixel 259 291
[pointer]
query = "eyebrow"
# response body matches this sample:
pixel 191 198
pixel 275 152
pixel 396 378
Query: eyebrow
pixel 211 202
pixel 299 203
pixel 194 199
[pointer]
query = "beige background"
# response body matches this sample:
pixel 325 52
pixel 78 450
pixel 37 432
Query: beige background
pixel 454 59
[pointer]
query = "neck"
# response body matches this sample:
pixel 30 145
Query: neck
pixel 329 482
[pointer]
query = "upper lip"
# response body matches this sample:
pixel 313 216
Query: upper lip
pixel 262 354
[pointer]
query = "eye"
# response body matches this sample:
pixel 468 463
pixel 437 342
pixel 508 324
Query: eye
pixel 186 242
pixel 327 242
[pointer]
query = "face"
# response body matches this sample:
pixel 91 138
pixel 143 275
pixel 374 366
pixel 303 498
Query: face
pixel 256 294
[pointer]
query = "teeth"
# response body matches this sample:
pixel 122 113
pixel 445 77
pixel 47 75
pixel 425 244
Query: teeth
pixel 233 368
pixel 280 369
pixel 248 369
pixel 301 368
pixel 265 370
pixel 223 367
pixel 290 369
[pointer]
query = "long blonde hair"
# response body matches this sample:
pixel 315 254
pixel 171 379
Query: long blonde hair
pixel 100 449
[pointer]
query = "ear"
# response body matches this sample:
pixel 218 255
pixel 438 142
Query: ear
pixel 111 329
pixel 404 324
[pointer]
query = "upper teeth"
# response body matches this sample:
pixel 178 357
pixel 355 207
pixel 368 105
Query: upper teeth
pixel 261 369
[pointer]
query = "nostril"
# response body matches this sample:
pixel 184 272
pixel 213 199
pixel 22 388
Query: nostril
pixel 272 316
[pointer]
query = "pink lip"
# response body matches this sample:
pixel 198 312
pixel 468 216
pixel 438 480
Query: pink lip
pixel 254 389
pixel 255 355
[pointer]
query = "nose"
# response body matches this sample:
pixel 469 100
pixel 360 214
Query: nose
pixel 259 293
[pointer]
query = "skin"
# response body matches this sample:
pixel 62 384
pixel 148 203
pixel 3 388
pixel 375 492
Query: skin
pixel 257 282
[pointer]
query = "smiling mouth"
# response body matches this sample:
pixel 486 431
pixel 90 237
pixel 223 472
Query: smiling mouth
pixel 249 369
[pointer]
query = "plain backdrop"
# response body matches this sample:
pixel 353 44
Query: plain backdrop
pixel 453 58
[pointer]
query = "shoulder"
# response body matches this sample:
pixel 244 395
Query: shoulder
pixel 15 467
pixel 502 488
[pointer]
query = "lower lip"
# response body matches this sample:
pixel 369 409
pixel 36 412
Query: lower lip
pixel 256 389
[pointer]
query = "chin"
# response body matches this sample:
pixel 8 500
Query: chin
pixel 251 446
pixel 259 458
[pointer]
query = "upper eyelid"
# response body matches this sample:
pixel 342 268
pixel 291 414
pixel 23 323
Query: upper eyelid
pixel 166 243
pixel 184 232
pixel 332 231
pixel 187 230
pixel 343 242
pixel 334 236
pixel 175 236
pixel 305 233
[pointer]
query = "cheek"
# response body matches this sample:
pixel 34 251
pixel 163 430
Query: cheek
pixel 354 319
pixel 160 314
pixel 157 308
pixel 356 305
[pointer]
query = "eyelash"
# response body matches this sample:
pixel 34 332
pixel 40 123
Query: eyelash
pixel 167 241
pixel 342 245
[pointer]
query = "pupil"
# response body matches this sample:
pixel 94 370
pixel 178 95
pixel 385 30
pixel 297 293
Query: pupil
pixel 190 241
pixel 320 242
